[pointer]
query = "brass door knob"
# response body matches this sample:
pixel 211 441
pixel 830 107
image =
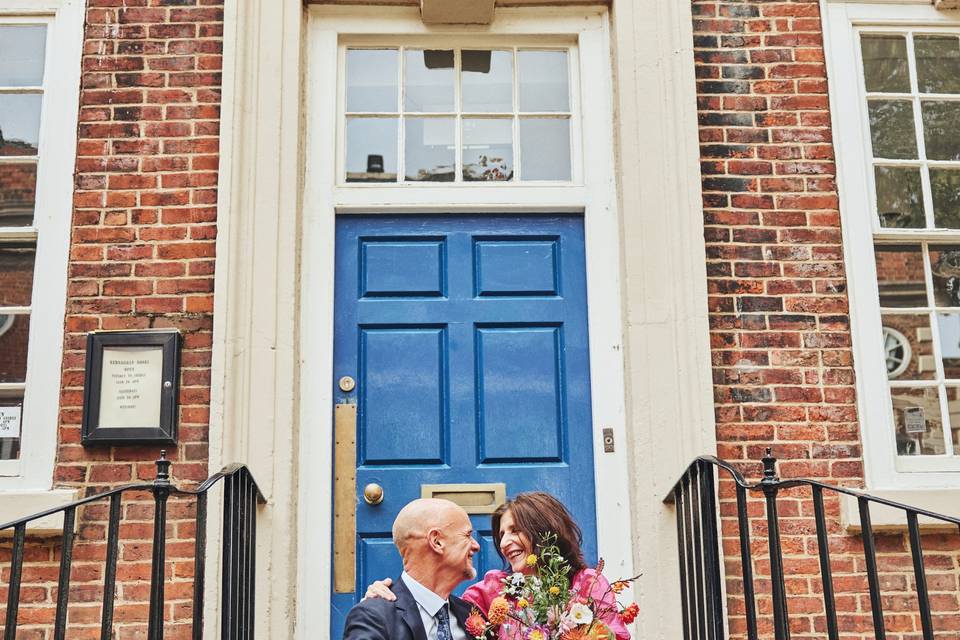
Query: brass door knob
pixel 373 493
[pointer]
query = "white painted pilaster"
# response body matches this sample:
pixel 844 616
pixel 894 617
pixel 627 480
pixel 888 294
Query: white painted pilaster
pixel 669 388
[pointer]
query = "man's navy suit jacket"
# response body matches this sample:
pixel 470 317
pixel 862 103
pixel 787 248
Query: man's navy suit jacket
pixel 379 619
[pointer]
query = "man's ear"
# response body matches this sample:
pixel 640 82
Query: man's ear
pixel 435 540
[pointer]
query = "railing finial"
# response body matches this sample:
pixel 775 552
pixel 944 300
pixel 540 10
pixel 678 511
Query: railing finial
pixel 163 470
pixel 769 467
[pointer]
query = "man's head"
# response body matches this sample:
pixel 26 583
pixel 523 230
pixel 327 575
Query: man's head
pixel 435 539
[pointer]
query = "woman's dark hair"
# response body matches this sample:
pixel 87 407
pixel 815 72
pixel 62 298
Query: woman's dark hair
pixel 536 514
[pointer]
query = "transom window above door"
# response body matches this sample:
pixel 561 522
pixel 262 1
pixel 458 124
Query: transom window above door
pixel 421 115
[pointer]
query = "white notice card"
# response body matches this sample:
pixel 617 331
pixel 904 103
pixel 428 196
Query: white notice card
pixel 10 422
pixel 130 386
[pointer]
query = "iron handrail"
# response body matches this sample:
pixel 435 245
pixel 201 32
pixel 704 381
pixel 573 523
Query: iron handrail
pixel 699 551
pixel 237 597
pixel 791 483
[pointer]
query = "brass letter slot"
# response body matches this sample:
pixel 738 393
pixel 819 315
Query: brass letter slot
pixel 474 498
pixel 344 498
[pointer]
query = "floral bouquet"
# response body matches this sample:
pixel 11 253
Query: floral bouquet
pixel 542 606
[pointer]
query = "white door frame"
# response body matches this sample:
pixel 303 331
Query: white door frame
pixel 594 195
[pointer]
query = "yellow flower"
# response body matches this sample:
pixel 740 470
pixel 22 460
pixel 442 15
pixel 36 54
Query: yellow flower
pixel 531 559
pixel 499 608
pixel 522 603
pixel 536 634
pixel 554 591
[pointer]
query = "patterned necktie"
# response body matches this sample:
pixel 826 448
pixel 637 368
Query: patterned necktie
pixel 443 624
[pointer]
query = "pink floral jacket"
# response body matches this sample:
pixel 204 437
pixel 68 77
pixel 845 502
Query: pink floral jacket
pixel 587 582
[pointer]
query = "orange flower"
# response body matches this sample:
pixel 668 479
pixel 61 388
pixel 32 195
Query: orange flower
pixel 475 624
pixel 629 614
pixel 575 634
pixel 619 586
pixel 499 609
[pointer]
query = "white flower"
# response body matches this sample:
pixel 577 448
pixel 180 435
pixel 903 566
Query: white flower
pixel 513 584
pixel 579 614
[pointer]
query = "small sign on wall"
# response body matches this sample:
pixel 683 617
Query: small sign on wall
pixel 10 419
pixel 131 387
pixel 914 420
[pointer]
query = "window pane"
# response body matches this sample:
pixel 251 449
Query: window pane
pixel 949 326
pixel 908 346
pixel 487 149
pixel 371 149
pixel 945 184
pixel 22 55
pixel 945 269
pixel 372 79
pixel 938 63
pixel 941 129
pixel 544 81
pixel 11 408
pixel 14 333
pixel 19 124
pixel 487 83
pixel 919 425
pixel 428 85
pixel 900 276
pixel 429 155
pixel 16 275
pixel 953 404
pixel 885 63
pixel 545 148
pixel 899 197
pixel 892 129
pixel 18 191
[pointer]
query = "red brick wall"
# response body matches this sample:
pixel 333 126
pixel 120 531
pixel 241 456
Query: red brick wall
pixel 141 256
pixel 780 333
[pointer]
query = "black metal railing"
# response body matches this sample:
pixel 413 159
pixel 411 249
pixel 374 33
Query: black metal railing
pixel 700 552
pixel 240 499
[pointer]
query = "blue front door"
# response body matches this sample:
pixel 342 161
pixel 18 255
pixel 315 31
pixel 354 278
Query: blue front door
pixel 466 337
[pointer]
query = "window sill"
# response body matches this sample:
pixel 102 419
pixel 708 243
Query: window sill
pixel 883 518
pixel 18 504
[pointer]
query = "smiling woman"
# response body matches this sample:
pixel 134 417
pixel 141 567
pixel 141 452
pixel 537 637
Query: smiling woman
pixel 525 528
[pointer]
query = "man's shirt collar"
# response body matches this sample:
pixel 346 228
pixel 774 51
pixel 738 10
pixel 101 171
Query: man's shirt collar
pixel 427 599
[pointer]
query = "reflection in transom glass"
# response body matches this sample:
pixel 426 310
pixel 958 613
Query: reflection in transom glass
pixel 372 80
pixel 457 115
pixel 428 80
pixel 486 83
pixel 371 149
pixel 912 86
pixel 429 151
pixel 487 149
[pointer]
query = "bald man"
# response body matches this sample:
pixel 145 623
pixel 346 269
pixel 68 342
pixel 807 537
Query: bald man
pixel 435 540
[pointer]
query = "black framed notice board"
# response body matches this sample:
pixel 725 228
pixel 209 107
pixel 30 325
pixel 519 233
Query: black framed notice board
pixel 131 387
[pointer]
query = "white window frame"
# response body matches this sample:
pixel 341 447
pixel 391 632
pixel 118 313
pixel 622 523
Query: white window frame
pixel 26 483
pixel 592 192
pixel 885 470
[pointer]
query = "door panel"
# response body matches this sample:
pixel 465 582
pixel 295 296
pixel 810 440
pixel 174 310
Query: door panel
pixel 467 338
